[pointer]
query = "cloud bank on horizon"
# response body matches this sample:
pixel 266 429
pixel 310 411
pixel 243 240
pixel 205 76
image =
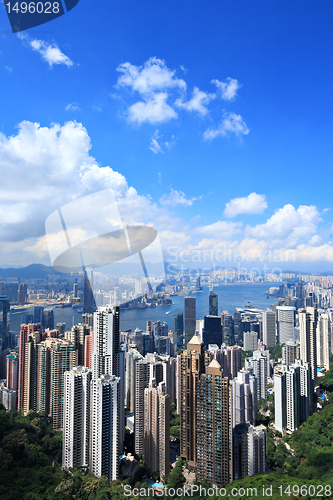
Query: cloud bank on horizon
pixel 56 164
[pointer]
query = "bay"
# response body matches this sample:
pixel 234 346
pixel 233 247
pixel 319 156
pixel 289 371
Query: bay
pixel 229 296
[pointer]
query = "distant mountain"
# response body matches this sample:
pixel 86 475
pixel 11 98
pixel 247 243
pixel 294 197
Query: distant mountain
pixel 34 271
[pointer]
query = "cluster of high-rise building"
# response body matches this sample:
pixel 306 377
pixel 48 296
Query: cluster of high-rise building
pixel 95 380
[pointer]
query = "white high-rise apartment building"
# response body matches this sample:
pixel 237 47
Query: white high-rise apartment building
pixel 250 341
pixel 269 328
pixel 285 323
pixel 244 398
pixel 323 337
pixel 107 357
pixel 76 425
pixel 105 423
pixel 290 352
pixel 260 368
pixel 257 449
pixel 292 396
pixel 308 321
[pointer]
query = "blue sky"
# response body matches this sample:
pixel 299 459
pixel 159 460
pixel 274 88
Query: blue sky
pixel 263 127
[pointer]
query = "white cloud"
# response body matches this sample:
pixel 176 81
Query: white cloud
pixel 153 110
pixel 154 145
pixel 46 167
pixel 315 240
pixel 177 198
pixel 72 107
pixel 151 77
pixel 8 68
pixel 287 226
pixel 252 204
pixel 50 52
pixel 157 85
pixel 220 229
pixel 198 102
pixel 228 89
pixel 231 124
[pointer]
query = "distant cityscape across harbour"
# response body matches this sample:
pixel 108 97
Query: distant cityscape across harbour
pixel 230 297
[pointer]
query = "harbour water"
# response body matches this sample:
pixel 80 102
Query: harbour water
pixel 230 297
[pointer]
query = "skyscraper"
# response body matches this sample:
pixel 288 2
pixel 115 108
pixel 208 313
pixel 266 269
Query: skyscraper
pixel 214 427
pixel 146 370
pixel 192 366
pixel 260 366
pixel 132 357
pixel 77 335
pixel 88 348
pixel 228 328
pixel 12 370
pixel 38 314
pixel 24 368
pixel 285 323
pixel 22 294
pixel 290 352
pixel 5 340
pixel 230 359
pixel 105 426
pixel 213 303
pixel 76 425
pixel 48 319
pixel 250 450
pixel 178 329
pixel 308 320
pixel 238 327
pixel 63 357
pixel 157 428
pixel 212 333
pixel 190 317
pixel 323 338
pixel 244 398
pixel 89 305
pixel 292 396
pixel 108 358
pixel 268 328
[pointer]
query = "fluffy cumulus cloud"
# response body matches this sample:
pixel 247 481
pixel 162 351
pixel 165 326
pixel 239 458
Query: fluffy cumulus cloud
pixel 44 168
pixel 231 124
pixel 49 52
pixel 152 81
pixel 252 204
pixel 154 109
pixel 288 226
pixel 197 103
pixel 228 89
pixel 162 93
pixel 151 77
